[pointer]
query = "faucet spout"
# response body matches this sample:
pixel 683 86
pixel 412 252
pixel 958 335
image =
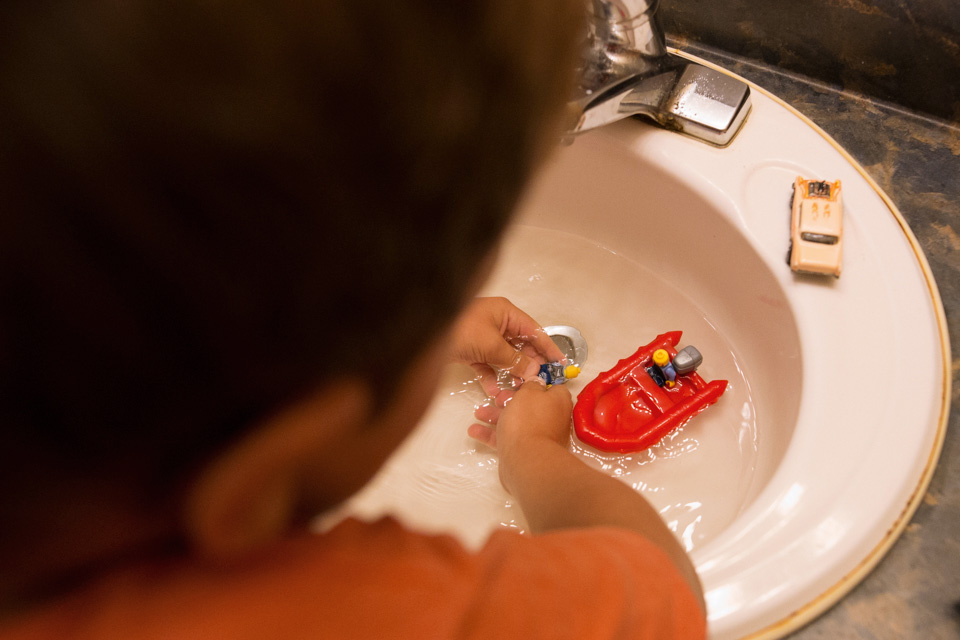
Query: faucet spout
pixel 626 70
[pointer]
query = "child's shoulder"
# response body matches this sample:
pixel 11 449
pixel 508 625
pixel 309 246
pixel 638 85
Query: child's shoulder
pixel 381 578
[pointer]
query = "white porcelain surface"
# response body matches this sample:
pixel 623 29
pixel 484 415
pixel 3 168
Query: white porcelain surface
pixel 795 483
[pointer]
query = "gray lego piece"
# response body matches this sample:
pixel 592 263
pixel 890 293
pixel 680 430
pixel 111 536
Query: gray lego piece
pixel 687 360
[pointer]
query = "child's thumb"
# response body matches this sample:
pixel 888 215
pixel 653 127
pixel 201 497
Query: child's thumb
pixel 504 356
pixel 524 367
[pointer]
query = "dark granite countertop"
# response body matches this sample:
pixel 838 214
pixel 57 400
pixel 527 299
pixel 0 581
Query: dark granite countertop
pixel 915 591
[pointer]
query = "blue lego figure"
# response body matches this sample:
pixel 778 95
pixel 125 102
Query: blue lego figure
pixel 662 360
pixel 556 373
pixel 665 371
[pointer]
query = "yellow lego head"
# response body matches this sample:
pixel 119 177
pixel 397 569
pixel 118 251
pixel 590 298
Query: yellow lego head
pixel 661 358
pixel 571 371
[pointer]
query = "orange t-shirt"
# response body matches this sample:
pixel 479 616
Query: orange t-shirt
pixel 381 580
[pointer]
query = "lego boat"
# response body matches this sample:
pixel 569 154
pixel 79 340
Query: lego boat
pixel 626 410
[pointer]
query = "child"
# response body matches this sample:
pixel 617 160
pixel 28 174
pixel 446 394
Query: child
pixel 236 244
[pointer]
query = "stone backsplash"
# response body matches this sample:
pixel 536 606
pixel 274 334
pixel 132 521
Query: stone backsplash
pixel 902 51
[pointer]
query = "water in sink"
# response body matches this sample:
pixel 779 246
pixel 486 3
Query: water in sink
pixel 698 477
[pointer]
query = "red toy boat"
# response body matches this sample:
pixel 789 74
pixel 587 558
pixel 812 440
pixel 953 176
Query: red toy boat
pixel 625 410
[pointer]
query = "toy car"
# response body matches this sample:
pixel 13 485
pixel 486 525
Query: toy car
pixel 816 227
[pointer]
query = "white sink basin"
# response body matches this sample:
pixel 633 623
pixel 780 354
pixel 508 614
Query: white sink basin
pixel 793 486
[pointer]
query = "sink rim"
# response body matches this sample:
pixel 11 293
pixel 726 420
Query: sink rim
pixel 832 594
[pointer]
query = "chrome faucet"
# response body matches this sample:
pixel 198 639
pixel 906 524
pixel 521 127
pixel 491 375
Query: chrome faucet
pixel 626 70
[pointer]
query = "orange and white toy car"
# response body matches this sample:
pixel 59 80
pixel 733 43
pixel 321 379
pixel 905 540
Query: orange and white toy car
pixel 816 227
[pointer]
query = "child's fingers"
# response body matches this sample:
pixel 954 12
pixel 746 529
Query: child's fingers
pixel 495 333
pixel 508 358
pixel 488 379
pixel 533 349
pixel 483 434
pixel 537 411
pixel 488 413
pixel 502 398
pixel 545 346
pixel 522 328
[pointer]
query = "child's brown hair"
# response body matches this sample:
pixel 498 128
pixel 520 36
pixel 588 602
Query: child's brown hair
pixel 209 208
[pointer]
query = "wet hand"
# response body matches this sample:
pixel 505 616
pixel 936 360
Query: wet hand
pixel 532 412
pixel 493 334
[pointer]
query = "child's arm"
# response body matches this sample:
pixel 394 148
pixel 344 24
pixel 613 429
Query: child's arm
pixel 556 490
pixel 553 487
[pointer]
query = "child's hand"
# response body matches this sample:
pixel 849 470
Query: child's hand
pixel 553 487
pixel 531 413
pixel 493 333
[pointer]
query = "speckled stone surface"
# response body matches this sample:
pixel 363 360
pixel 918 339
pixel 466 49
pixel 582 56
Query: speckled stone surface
pixel 915 591
pixel 904 51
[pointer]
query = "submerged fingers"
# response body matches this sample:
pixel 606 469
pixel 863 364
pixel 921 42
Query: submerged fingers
pixel 484 434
